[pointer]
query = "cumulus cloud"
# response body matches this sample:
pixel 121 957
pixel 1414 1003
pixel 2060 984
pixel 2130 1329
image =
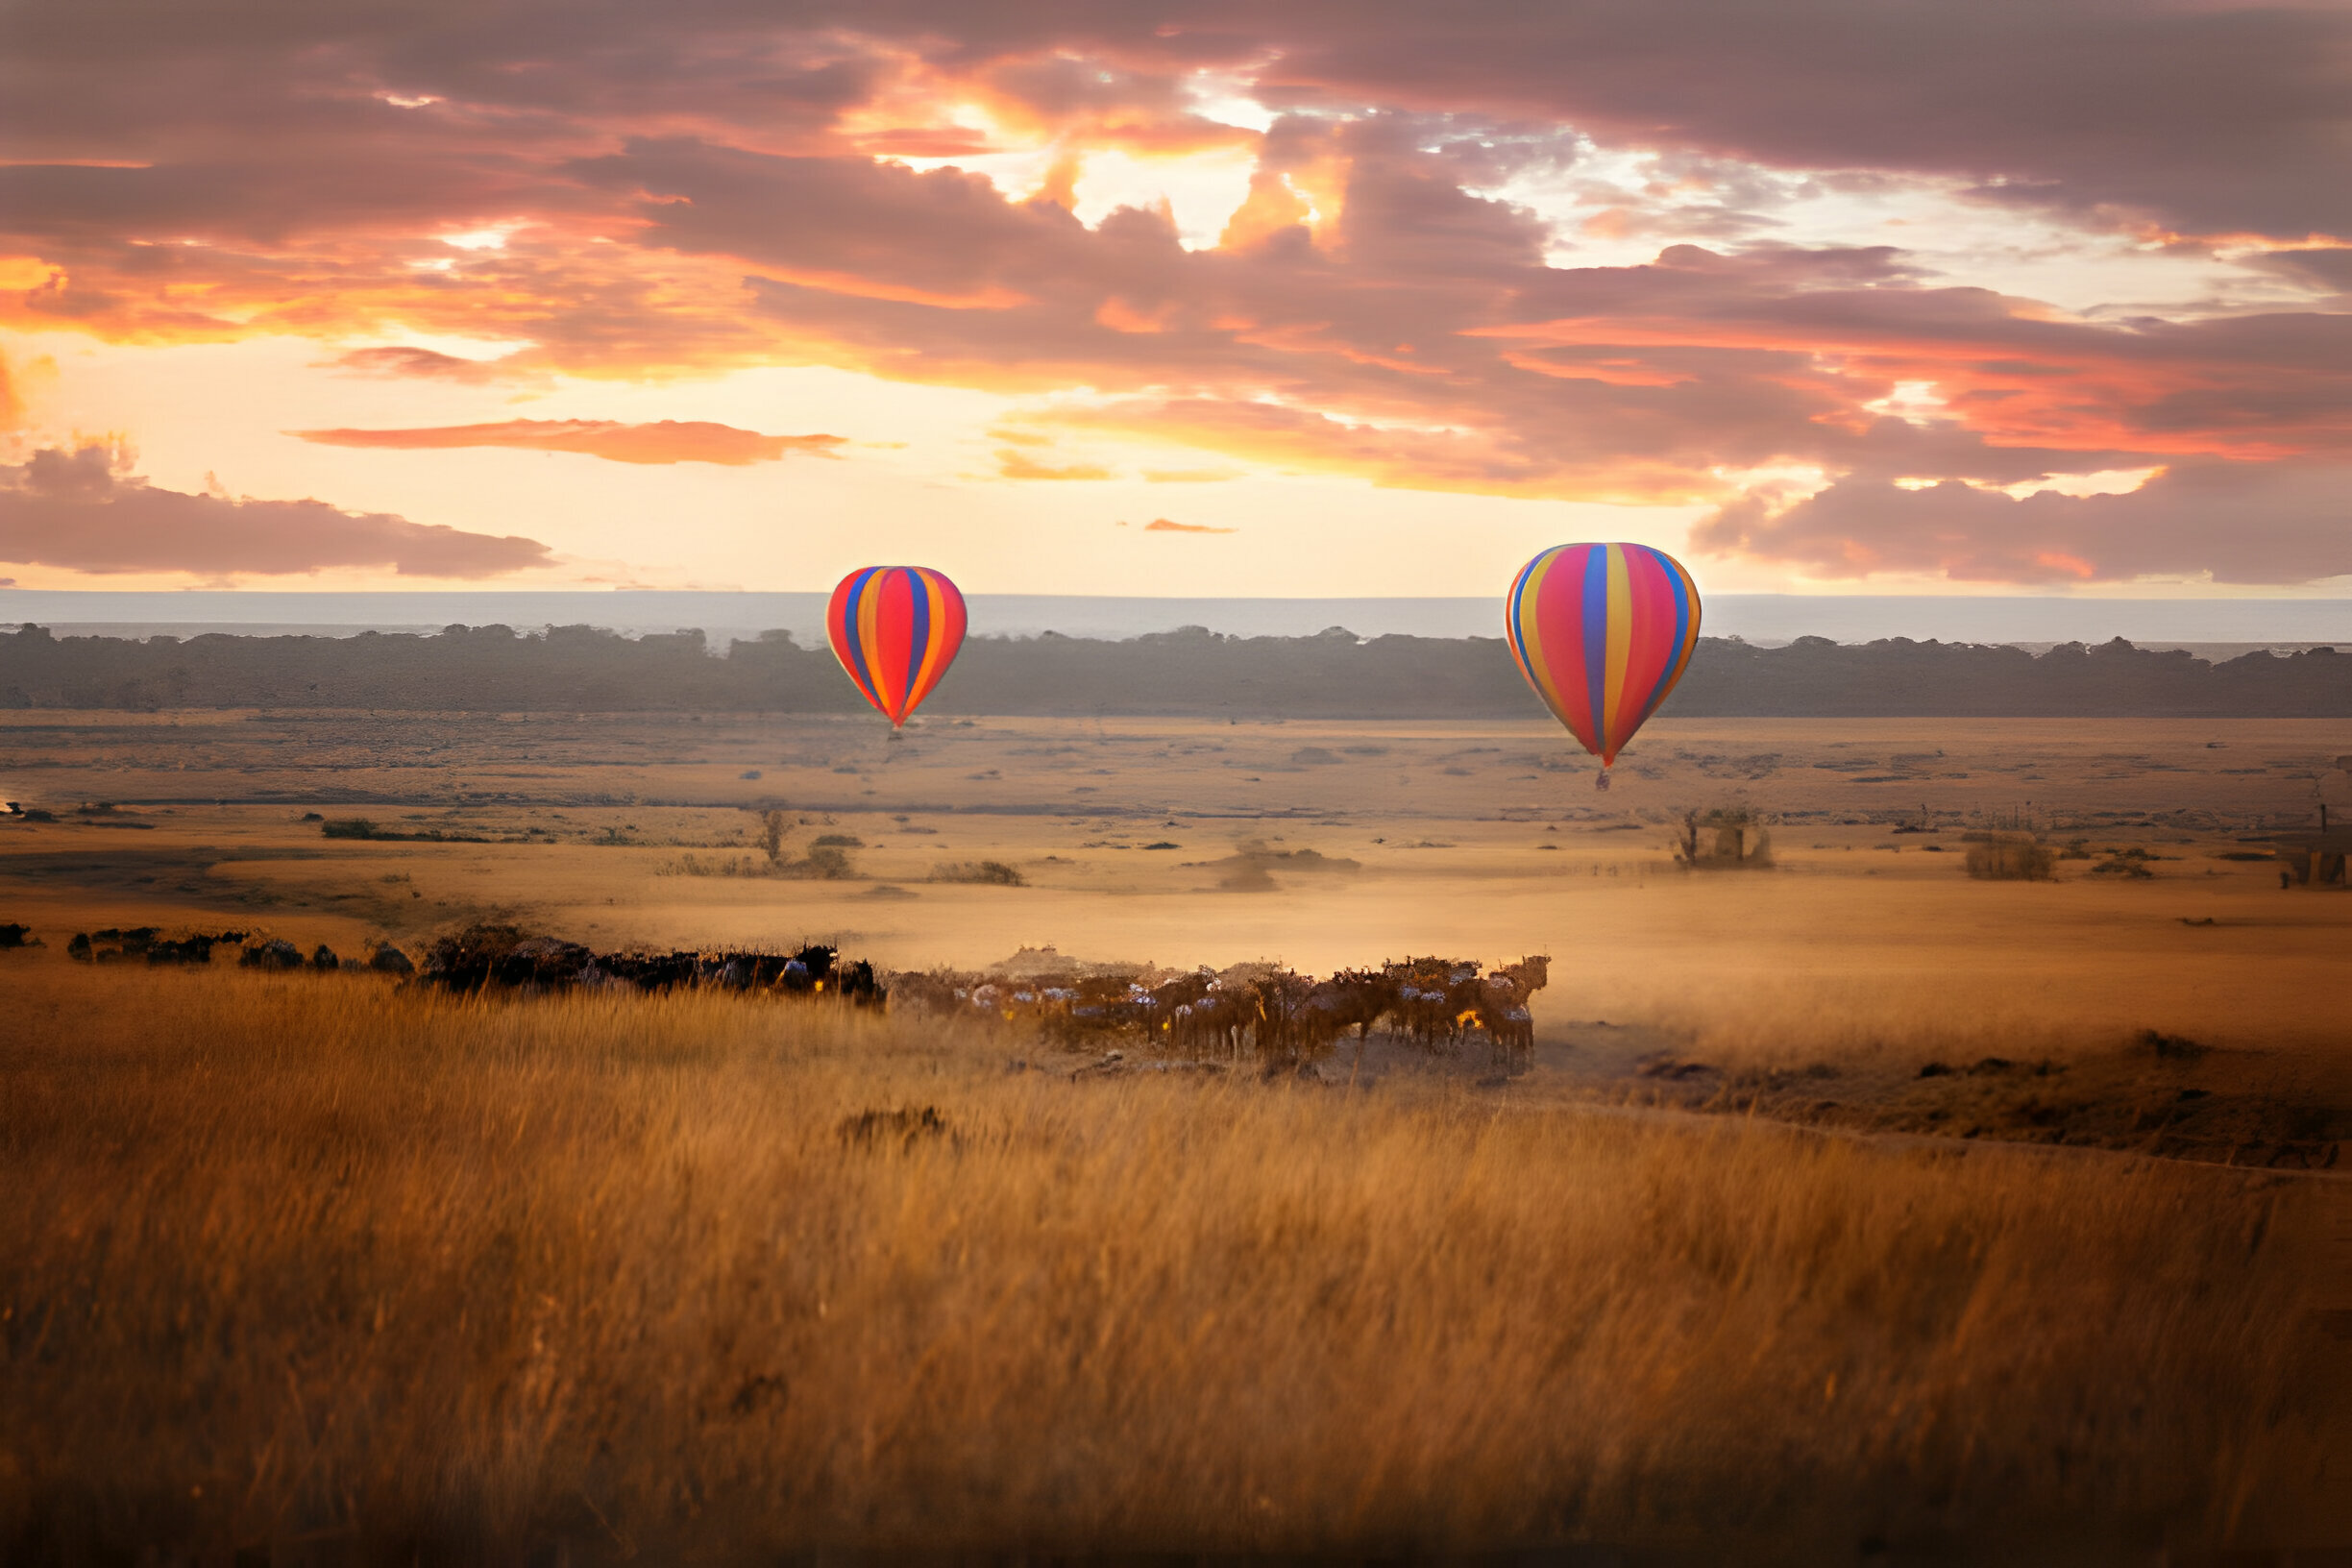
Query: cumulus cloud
pixel 2212 117
pixel 1421 308
pixel 664 441
pixel 79 510
pixel 2235 523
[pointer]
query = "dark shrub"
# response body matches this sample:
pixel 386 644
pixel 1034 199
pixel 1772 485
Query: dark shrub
pixel 2011 858
pixel 993 872
pixel 825 863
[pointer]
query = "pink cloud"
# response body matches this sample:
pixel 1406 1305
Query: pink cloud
pixel 423 364
pixel 2271 524
pixel 76 510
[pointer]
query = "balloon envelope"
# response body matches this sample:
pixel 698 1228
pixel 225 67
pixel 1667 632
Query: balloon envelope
pixel 895 630
pixel 1602 632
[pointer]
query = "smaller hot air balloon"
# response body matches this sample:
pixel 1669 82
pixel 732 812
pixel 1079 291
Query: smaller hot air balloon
pixel 895 630
pixel 1602 632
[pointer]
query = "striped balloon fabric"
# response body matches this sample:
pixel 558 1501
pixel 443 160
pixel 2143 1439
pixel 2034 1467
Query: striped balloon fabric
pixel 896 629
pixel 1602 632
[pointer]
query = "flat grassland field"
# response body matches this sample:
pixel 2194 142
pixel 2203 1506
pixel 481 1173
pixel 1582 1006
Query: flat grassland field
pixel 2026 1223
pixel 1319 846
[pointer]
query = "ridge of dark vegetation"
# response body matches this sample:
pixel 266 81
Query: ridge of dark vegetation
pixel 1332 674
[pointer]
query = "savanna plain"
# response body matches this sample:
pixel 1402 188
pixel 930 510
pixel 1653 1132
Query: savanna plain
pixel 1848 1207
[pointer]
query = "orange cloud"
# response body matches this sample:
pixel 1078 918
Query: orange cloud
pixel 925 141
pixel 1472 462
pixel 426 364
pixel 1272 208
pixel 2003 372
pixel 1120 316
pixel 12 400
pixel 665 441
pixel 989 298
pixel 1012 465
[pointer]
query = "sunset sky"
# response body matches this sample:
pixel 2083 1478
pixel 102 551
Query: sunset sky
pixel 1201 298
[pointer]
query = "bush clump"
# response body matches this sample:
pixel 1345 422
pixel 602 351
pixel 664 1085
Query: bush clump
pixel 825 863
pixel 2131 863
pixel 993 872
pixel 2011 858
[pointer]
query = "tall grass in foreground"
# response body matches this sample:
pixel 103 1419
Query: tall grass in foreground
pixel 300 1259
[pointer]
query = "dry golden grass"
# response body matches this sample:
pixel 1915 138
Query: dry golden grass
pixel 1468 838
pixel 301 1259
pixel 1862 1020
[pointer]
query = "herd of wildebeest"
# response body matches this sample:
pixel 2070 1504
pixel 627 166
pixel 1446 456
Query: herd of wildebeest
pixel 1256 1010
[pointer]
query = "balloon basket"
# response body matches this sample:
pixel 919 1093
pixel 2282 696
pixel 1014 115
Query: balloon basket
pixel 1601 781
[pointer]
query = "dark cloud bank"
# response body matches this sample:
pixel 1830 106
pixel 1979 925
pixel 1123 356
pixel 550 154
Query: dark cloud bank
pixel 76 511
pixel 2209 117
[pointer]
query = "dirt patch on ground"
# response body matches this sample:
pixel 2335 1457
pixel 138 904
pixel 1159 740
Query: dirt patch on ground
pixel 2161 1096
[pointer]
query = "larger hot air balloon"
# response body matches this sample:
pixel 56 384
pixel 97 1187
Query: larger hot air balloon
pixel 1602 632
pixel 895 630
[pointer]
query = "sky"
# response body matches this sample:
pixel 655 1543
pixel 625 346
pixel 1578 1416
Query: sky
pixel 1195 297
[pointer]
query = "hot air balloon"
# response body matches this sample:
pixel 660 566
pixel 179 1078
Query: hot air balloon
pixel 1602 632
pixel 896 629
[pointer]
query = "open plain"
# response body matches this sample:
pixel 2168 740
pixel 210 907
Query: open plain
pixel 1179 843
pixel 1847 1204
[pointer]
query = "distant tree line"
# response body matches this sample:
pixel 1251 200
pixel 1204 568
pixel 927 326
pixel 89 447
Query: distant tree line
pixel 1191 672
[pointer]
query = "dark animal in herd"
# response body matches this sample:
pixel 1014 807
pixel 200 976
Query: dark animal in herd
pixel 147 944
pixel 117 945
pixel 504 957
pixel 1436 1004
pixel 483 956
